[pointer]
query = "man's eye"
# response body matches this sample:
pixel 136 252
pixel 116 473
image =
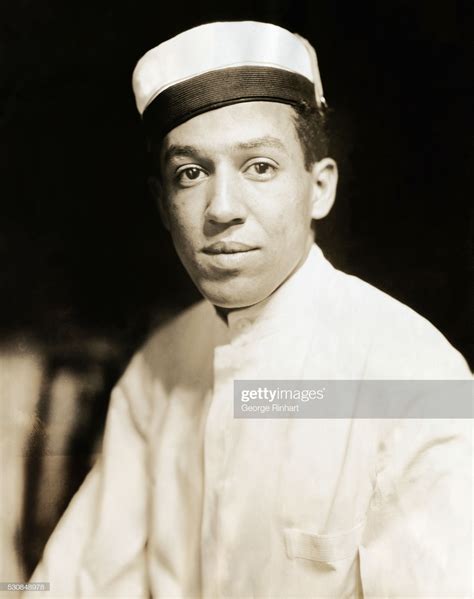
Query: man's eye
pixel 261 170
pixel 190 175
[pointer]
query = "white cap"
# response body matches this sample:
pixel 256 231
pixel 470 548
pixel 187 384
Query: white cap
pixel 247 59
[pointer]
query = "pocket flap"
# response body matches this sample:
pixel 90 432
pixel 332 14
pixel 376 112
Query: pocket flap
pixel 323 548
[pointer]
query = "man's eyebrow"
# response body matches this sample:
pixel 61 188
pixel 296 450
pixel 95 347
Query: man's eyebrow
pixel 175 150
pixel 258 142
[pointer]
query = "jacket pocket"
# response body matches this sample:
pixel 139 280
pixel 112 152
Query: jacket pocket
pixel 323 547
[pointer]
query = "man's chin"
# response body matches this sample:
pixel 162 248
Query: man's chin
pixel 232 297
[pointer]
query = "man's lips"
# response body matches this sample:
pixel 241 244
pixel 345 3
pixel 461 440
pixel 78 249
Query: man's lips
pixel 228 247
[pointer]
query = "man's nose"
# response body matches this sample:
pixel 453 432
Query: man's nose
pixel 225 202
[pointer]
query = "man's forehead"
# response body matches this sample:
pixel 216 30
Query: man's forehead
pixel 233 128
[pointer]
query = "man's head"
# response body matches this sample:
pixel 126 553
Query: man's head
pixel 243 170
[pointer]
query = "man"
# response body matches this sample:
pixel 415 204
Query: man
pixel 188 501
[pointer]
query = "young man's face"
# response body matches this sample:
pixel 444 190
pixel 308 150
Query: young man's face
pixel 238 201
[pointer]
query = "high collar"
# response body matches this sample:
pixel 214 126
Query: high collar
pixel 289 304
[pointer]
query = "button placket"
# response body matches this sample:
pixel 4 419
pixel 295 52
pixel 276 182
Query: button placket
pixel 215 456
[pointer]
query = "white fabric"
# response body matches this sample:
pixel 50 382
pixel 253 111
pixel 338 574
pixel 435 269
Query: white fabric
pixel 217 46
pixel 189 502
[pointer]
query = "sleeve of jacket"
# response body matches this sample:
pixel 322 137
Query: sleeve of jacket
pixel 98 546
pixel 418 539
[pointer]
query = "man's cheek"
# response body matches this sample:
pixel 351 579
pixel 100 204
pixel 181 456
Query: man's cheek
pixel 285 220
pixel 182 220
pixel 183 239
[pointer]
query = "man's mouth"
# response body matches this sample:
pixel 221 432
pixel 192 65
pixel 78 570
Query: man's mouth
pixel 228 247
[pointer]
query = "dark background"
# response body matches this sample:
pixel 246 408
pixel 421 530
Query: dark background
pixel 86 268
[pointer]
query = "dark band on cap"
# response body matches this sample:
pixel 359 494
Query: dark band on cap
pixel 223 87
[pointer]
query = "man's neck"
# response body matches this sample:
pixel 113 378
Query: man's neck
pixel 224 312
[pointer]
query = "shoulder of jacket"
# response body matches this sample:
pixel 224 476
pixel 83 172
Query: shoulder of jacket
pixel 178 331
pixel 153 359
pixel 168 336
pixel 399 335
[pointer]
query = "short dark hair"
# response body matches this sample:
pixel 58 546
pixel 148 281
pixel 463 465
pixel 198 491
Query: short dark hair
pixel 312 129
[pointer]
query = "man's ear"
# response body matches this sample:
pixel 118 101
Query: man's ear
pixel 324 173
pixel 156 190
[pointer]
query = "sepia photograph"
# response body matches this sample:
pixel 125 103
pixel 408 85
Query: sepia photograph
pixel 236 302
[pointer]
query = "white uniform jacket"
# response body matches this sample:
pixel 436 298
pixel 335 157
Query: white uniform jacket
pixel 187 501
